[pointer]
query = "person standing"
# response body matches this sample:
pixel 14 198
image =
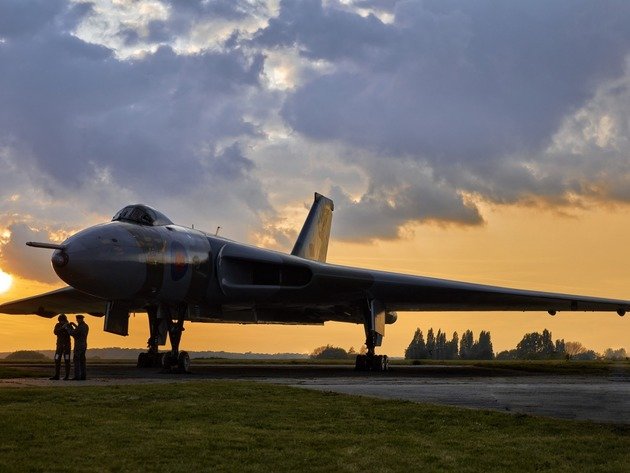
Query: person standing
pixel 63 346
pixel 79 332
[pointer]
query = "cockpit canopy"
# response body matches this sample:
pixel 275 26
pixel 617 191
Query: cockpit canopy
pixel 142 215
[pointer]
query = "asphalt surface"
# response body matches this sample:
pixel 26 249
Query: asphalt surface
pixel 600 398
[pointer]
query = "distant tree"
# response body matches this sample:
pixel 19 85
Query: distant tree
pixel 329 352
pixel 507 355
pixel 454 346
pixel 440 346
pixel 537 346
pixel 573 349
pixel 431 344
pixel 617 355
pixel 588 355
pixel 417 349
pixel 560 350
pixel 547 344
pixel 466 345
pixel 530 346
pixel 484 350
pixel 29 355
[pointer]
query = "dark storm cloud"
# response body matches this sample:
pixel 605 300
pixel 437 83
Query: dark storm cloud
pixel 474 90
pixel 20 18
pixel 450 81
pixel 68 106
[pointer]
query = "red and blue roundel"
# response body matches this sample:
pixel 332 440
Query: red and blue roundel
pixel 179 259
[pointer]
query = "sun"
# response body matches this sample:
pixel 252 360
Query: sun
pixel 5 282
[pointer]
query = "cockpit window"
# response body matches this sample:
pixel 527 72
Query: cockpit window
pixel 142 215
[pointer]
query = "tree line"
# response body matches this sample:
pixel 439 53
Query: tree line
pixel 533 346
pixel 438 347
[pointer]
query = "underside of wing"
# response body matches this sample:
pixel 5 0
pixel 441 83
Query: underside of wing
pixel 400 292
pixel 65 300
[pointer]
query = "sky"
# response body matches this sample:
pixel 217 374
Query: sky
pixel 483 141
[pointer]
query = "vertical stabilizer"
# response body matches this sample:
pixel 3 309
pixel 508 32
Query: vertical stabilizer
pixel 312 243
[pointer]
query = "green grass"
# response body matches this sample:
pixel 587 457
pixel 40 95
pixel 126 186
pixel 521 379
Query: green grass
pixel 229 426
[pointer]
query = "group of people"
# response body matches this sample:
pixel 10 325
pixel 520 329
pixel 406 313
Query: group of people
pixel 79 331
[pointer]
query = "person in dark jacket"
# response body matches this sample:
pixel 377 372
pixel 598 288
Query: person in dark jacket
pixel 79 332
pixel 63 346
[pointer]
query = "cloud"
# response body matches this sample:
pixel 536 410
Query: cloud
pixel 29 263
pixel 405 112
pixel 160 128
pixel 473 93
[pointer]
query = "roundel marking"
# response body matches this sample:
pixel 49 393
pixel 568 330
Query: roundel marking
pixel 179 265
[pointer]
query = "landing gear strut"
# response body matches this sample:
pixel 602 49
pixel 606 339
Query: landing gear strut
pixel 175 359
pixel 157 336
pixel 374 313
pixel 162 324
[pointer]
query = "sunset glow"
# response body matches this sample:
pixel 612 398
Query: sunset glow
pixel 6 281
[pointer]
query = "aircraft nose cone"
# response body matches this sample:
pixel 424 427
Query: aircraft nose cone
pixel 59 259
pixel 104 261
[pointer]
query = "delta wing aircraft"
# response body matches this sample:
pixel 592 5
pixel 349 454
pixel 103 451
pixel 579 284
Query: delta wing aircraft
pixel 141 262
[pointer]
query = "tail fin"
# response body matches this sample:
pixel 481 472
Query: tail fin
pixel 312 243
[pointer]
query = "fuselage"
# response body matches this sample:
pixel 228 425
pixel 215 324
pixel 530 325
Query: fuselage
pixel 216 278
pixel 122 261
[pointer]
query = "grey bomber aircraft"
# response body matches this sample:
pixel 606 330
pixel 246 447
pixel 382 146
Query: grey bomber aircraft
pixel 142 262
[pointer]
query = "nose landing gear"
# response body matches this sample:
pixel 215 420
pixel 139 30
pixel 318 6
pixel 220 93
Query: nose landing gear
pixel 162 324
pixel 175 359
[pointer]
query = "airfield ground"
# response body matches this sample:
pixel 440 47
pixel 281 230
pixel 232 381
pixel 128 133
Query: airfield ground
pixel 584 391
pixel 251 417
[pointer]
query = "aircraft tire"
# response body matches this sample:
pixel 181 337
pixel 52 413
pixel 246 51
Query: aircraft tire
pixel 183 361
pixel 167 360
pixel 380 363
pixel 361 363
pixel 143 360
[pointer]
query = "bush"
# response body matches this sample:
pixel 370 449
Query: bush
pixel 329 352
pixel 29 355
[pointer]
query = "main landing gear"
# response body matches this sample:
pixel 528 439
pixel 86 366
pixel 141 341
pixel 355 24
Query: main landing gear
pixel 161 324
pixel 374 313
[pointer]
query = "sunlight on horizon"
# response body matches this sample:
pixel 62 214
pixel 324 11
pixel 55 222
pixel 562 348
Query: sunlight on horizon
pixel 6 281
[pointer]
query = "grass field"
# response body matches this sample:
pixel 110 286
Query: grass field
pixel 230 426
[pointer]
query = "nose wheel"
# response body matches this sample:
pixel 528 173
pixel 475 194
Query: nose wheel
pixel 175 360
pixel 179 363
pixel 160 327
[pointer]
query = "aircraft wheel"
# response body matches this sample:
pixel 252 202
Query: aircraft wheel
pixel 143 360
pixel 361 363
pixel 385 363
pixel 167 360
pixel 183 361
pixel 380 363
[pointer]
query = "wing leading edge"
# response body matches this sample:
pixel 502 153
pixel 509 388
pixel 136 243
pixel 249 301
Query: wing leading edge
pixel 49 304
pixel 416 293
